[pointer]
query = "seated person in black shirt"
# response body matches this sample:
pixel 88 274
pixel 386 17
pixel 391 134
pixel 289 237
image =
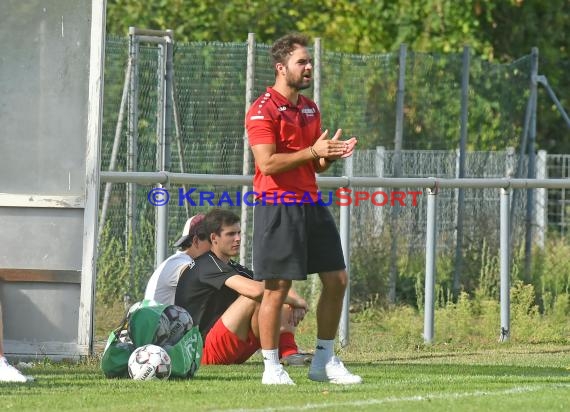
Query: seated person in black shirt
pixel 223 299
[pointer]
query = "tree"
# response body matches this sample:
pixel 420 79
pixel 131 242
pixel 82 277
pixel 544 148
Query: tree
pixel 495 31
pixel 515 28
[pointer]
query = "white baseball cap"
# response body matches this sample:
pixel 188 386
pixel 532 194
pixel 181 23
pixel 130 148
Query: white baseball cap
pixel 191 228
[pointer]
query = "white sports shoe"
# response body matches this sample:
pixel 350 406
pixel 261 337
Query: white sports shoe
pixel 278 376
pixel 333 372
pixel 10 374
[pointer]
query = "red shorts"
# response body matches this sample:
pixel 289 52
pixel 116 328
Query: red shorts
pixel 223 347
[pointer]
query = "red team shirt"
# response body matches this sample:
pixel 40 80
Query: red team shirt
pixel 272 119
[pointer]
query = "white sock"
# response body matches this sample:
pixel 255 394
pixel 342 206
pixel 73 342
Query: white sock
pixel 324 351
pixel 3 361
pixel 270 358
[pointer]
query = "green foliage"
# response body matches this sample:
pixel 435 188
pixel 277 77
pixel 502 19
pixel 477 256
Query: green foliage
pixel 523 306
pixel 398 327
pixel 351 26
pixel 488 263
pixel 216 76
pixel 115 281
pixel 480 278
pixel 456 322
pixel 474 321
pixel 496 31
pixel 551 266
pixel 529 325
pixel 144 263
pixel 112 269
pixel 503 30
pixel 368 272
pixel 203 20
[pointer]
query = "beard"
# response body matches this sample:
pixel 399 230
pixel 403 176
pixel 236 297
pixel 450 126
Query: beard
pixel 298 83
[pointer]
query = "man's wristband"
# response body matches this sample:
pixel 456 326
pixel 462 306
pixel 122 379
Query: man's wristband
pixel 313 153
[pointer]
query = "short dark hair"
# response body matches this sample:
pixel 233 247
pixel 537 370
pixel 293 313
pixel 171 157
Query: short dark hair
pixel 217 218
pixel 284 46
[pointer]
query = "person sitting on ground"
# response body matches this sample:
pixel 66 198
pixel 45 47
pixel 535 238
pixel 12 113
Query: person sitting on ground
pixel 223 299
pixel 161 286
pixel 8 373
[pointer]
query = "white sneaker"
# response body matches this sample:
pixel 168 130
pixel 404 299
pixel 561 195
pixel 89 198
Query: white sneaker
pixel 10 374
pixel 278 376
pixel 333 372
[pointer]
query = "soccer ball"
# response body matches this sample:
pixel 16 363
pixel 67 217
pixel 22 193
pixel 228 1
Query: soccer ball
pixel 149 362
pixel 180 323
pixel 162 330
pixel 174 322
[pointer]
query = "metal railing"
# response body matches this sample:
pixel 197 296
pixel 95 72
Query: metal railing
pixel 432 184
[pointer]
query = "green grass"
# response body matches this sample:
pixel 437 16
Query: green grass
pixel 508 377
pixel 465 369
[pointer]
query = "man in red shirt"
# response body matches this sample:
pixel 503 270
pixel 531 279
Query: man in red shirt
pixel 294 233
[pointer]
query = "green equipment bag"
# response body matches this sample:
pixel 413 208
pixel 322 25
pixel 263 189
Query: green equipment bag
pixel 186 355
pixel 142 323
pixel 118 349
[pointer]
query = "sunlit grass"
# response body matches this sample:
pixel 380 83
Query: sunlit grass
pixel 401 373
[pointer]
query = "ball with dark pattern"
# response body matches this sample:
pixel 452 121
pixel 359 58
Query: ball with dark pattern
pixel 149 362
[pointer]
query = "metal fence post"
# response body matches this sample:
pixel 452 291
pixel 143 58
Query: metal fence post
pixel 249 85
pixel 398 143
pixel 345 212
pixel 177 135
pixel 429 303
pixel 505 264
pixel 315 282
pixel 378 212
pixel 165 111
pixel 541 201
pixel 531 166
pixel 132 158
pixel 159 212
pixel 317 72
pixel 461 173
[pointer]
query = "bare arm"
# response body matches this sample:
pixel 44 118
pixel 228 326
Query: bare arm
pixel 297 313
pixel 246 287
pixel 295 301
pixel 270 162
pixel 254 290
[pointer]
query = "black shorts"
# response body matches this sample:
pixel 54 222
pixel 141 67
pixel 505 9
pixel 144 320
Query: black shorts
pixel 291 241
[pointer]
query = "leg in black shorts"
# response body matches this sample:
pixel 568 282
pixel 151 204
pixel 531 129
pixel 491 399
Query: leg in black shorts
pixel 291 241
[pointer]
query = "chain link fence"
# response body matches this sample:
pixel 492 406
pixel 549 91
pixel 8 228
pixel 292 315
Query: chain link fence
pixel 358 93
